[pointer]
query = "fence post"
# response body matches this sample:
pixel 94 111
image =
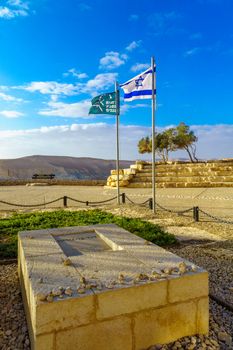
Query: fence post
pixel 87 203
pixel 123 198
pixel 65 201
pixel 196 214
pixel 150 203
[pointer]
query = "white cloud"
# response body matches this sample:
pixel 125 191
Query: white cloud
pixel 50 87
pixel 14 8
pixel 112 60
pixel 18 3
pixel 99 82
pixel 79 140
pixel 11 114
pixel 139 67
pixel 9 98
pixel 215 141
pixel 69 110
pixel 133 45
pixel 77 74
pixel 192 52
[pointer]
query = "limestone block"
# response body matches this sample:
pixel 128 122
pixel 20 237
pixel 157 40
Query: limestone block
pixel 128 177
pixel 133 167
pixel 203 316
pixel 114 177
pixel 64 313
pixel 139 166
pixel 129 171
pixel 165 324
pixel 113 184
pixel 109 335
pixel 114 172
pixel 123 183
pixel 188 287
pixel 45 342
pixel 132 299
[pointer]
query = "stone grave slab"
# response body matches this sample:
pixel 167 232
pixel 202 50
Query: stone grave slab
pixel 101 287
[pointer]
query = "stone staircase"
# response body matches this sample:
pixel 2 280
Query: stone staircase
pixel 177 174
pixel 143 177
pixel 184 174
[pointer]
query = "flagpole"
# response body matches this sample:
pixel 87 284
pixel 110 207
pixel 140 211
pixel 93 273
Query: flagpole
pixel 153 133
pixel 117 141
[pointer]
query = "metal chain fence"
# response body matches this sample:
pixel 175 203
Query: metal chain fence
pixel 196 210
pixel 216 217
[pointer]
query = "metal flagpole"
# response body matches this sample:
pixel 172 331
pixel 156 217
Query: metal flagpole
pixel 117 141
pixel 153 132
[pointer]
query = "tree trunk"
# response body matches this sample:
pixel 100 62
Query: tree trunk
pixel 193 149
pixel 189 153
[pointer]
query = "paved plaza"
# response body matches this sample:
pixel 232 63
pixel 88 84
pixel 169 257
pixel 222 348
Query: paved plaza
pixel 216 201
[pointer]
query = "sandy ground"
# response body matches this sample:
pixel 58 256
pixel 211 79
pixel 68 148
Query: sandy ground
pixel 216 201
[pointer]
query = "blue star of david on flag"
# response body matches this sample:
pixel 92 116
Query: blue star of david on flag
pixel 138 82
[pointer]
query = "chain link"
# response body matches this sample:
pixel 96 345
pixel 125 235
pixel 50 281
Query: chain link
pixel 31 205
pixel 130 200
pixel 174 211
pixel 93 203
pixel 216 217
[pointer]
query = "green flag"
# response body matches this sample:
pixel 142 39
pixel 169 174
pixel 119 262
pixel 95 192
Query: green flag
pixel 104 104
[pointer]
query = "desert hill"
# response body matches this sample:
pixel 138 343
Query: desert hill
pixel 63 167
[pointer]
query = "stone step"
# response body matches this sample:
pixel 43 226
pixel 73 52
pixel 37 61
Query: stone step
pixel 182 179
pixel 193 173
pixel 190 169
pixel 144 174
pixel 140 185
pixel 141 179
pixel 145 170
pixel 194 184
pixel 179 185
pixel 146 167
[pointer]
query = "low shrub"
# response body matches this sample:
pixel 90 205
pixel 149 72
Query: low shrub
pixel 10 227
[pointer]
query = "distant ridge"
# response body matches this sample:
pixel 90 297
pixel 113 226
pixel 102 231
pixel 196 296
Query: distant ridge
pixel 63 167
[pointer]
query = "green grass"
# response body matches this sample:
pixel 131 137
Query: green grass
pixel 10 227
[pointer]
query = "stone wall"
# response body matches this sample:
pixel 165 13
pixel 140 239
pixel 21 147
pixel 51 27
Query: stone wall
pixel 217 173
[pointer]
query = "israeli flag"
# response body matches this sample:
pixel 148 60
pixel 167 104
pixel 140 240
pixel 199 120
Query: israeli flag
pixel 140 87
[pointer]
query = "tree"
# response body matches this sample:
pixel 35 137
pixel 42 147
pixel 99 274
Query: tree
pixel 144 145
pixel 164 143
pixel 172 139
pixel 185 139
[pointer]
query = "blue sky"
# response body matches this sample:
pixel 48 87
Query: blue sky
pixel 57 55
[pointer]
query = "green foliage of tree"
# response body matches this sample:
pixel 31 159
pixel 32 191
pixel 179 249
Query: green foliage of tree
pixel 172 139
pixel 164 143
pixel 185 139
pixel 145 145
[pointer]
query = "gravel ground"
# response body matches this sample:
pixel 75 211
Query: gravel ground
pixel 215 257
pixel 13 327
